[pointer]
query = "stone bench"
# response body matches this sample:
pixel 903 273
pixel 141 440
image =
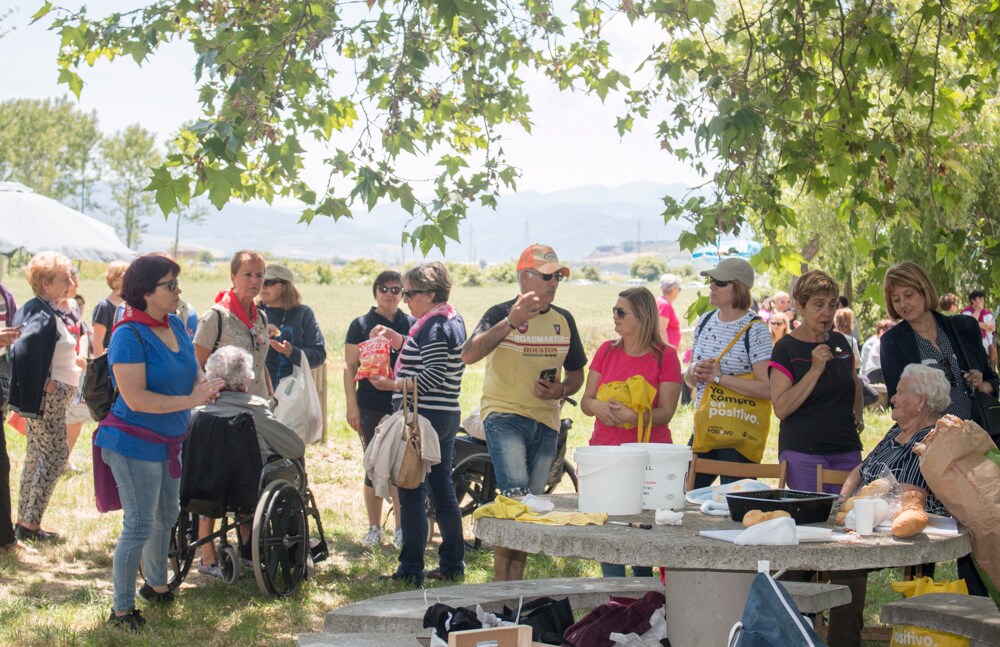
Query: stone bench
pixel 973 617
pixel 401 614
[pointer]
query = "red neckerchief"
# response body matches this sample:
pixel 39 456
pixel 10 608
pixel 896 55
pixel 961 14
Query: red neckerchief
pixel 229 300
pixel 138 316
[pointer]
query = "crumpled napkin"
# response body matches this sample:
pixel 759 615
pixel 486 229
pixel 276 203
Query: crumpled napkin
pixel 537 503
pixel 776 532
pixel 715 509
pixel 668 517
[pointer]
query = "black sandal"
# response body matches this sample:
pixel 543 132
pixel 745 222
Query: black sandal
pixel 27 534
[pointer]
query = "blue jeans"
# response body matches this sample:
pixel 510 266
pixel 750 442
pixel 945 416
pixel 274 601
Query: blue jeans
pixel 522 451
pixel 618 570
pixel 150 503
pixel 413 511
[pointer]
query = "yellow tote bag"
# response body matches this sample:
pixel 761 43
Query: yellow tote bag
pixel 906 636
pixel 727 419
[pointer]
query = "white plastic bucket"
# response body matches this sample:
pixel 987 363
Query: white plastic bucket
pixel 610 479
pixel 663 483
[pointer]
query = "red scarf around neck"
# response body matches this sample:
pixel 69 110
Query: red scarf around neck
pixel 139 316
pixel 231 302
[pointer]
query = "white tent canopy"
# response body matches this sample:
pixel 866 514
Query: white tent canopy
pixel 35 223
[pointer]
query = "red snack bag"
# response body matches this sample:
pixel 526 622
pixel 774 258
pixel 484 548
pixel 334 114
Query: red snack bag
pixel 374 356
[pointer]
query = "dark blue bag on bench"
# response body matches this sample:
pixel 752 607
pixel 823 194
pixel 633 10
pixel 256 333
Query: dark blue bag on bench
pixel 771 619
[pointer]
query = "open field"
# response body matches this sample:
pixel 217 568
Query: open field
pixel 61 595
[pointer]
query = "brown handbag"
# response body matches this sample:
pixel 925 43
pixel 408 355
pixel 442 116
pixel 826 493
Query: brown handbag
pixel 411 472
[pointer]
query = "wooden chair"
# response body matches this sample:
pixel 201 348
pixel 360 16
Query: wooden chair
pixel 740 470
pixel 829 477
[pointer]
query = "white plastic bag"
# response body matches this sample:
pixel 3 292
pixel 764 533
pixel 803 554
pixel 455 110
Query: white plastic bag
pixel 298 405
pixel 776 532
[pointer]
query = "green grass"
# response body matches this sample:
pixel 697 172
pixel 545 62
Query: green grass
pixel 62 594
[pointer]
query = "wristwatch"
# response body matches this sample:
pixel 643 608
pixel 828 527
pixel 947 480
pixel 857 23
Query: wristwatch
pixel 717 378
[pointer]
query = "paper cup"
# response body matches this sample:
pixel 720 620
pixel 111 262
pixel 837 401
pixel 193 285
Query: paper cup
pixel 864 515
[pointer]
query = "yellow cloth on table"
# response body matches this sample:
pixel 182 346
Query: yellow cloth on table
pixel 565 518
pixel 501 508
pixel 506 508
pixel 634 393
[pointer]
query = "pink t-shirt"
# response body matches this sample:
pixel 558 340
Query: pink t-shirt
pixel 673 322
pixel 614 365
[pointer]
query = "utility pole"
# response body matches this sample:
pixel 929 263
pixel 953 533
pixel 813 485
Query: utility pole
pixel 638 239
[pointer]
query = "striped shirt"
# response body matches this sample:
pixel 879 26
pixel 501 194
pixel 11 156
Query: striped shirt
pixel 712 336
pixel 902 462
pixel 434 356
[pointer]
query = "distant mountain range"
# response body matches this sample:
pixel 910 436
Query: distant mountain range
pixel 575 221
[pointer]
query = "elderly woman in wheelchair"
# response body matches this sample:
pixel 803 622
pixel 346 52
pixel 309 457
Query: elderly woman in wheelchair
pixel 222 476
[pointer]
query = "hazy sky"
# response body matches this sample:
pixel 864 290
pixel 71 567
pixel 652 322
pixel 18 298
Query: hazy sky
pixel 573 142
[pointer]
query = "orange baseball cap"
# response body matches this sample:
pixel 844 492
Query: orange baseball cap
pixel 541 258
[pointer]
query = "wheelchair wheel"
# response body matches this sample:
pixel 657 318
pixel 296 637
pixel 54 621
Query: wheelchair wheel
pixel 475 485
pixel 565 470
pixel 474 482
pixel 280 542
pixel 229 562
pixel 181 554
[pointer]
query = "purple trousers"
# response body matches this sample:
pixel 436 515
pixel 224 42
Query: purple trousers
pixel 801 474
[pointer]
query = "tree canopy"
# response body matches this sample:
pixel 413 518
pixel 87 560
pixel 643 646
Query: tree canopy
pixel 840 133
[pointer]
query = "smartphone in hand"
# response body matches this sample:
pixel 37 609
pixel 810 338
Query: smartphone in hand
pixel 549 375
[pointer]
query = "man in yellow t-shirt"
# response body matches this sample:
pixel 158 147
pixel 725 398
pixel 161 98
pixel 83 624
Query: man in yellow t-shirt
pixel 535 358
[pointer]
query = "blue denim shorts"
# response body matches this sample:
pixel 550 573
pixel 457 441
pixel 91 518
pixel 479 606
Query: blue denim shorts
pixel 522 451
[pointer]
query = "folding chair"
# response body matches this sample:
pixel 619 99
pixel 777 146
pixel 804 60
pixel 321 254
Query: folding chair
pixel 739 470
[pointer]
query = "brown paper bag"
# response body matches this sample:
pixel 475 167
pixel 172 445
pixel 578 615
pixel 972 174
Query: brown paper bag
pixel 954 464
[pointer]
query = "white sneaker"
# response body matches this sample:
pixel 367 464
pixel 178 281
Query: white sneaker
pixel 397 538
pixel 213 569
pixel 373 537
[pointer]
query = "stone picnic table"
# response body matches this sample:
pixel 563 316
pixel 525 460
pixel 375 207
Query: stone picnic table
pixel 707 580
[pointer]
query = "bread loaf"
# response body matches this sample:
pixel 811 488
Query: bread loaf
pixel 754 517
pixel 876 488
pixel 912 518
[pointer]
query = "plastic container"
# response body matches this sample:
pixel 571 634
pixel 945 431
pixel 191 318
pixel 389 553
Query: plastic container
pixel 666 471
pixel 805 507
pixel 610 479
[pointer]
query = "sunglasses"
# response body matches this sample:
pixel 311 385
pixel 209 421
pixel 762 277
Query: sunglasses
pixel 619 313
pixel 386 290
pixel 946 367
pixel 548 277
pixel 269 282
pixel 717 283
pixel 171 285
pixel 409 294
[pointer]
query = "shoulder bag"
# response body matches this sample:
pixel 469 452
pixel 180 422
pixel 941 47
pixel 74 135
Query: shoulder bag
pixel 985 407
pixel 411 472
pixel 727 419
pixel 98 391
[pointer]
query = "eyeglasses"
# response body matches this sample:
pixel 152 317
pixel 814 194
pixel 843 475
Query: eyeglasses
pixel 385 290
pixel 619 313
pixel 409 294
pixel 269 282
pixel 171 285
pixel 548 277
pixel 717 283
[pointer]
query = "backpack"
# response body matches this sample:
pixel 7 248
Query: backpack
pixel 771 619
pixel 98 390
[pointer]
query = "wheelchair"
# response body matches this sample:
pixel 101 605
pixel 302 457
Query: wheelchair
pixel 223 478
pixel 475 481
